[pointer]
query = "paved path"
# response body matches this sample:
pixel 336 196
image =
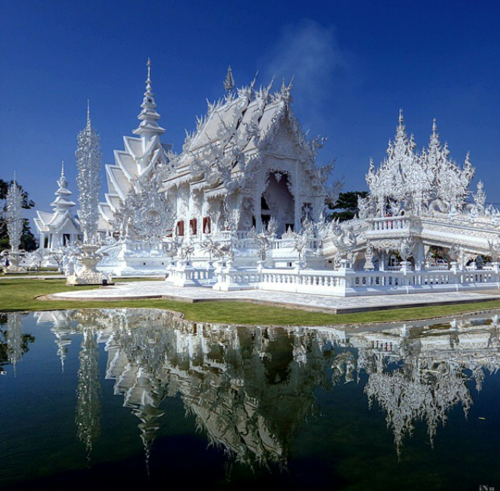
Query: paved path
pixel 160 289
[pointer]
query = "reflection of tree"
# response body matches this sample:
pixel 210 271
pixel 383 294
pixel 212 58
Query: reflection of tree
pixel 88 408
pixel 13 343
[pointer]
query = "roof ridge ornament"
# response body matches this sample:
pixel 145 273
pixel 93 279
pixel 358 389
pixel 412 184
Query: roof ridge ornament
pixel 229 82
pixel 148 80
pixel 62 181
pixel 286 90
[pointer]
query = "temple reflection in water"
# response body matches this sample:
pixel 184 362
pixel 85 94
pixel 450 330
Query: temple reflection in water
pixel 250 389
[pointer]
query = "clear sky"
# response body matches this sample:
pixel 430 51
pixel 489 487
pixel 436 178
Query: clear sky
pixel 355 64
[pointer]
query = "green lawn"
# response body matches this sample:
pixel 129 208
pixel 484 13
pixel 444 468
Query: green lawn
pixel 19 295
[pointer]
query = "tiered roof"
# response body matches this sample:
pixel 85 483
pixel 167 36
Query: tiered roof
pixel 139 157
pixel 62 219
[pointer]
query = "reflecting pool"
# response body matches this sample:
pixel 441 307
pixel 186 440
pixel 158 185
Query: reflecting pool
pixel 98 398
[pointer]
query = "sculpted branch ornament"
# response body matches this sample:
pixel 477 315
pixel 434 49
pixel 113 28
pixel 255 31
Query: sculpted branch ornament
pixel 406 247
pixel 88 162
pixel 494 246
pixel 344 238
pixel 14 216
pixel 145 214
pixel 300 242
pixel 265 239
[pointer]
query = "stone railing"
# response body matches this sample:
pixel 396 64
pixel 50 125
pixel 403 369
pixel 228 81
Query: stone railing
pixel 182 273
pixel 437 267
pixel 312 244
pixel 347 282
pixel 390 223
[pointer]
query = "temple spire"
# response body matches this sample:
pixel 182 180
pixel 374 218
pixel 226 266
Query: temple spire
pixel 62 182
pixel 148 81
pixel 401 119
pixel 149 117
pixel 229 82
pixel 62 203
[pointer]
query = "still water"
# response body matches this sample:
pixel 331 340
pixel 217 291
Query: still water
pixel 99 398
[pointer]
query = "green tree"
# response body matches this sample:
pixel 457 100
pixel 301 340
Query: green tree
pixel 346 207
pixel 28 241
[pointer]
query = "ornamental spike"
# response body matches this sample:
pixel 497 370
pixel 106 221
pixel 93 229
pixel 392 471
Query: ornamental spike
pixel 148 80
pixel 89 124
pixel 401 120
pixel 229 81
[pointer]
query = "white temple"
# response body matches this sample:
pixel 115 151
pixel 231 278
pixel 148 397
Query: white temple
pixel 247 162
pixel 60 228
pixel 242 207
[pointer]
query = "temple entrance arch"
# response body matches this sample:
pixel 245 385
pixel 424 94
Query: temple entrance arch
pixel 277 201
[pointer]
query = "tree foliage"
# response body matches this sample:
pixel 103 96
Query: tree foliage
pixel 346 206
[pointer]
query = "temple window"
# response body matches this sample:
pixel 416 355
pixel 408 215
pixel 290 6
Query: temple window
pixel 180 229
pixel 207 225
pixel 193 225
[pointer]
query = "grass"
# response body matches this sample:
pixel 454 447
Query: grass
pixel 20 295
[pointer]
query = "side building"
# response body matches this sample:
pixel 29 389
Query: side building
pixel 61 227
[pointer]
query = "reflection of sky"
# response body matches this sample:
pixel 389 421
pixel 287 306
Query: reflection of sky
pixel 263 396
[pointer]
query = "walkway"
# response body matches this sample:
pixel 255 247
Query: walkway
pixel 160 289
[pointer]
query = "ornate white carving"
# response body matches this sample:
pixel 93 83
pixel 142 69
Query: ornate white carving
pixel 88 163
pixel 145 214
pixel 14 217
pixel 409 181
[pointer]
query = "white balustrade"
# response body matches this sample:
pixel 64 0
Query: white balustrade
pixel 390 223
pixel 351 283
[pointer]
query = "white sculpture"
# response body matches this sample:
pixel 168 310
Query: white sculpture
pixel 88 162
pixel 14 219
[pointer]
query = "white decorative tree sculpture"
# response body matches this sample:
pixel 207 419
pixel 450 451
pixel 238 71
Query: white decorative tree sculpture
pixel 88 162
pixel 14 220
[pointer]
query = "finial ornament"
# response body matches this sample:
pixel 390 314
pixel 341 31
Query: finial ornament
pixel 88 113
pixel 148 116
pixel 229 81
pixel 148 81
pixel 401 118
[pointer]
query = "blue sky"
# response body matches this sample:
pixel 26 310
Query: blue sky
pixel 355 64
